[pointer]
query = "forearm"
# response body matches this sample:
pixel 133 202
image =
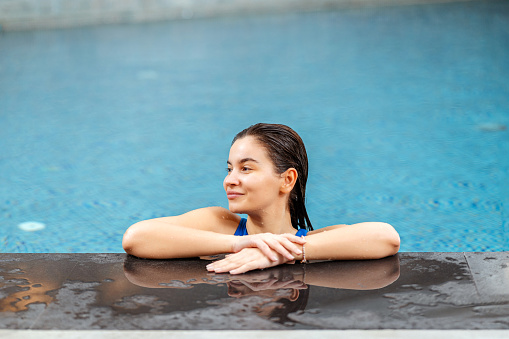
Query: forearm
pixel 159 240
pixel 370 240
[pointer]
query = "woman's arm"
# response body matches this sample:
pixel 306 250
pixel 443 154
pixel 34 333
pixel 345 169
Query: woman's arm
pixel 205 231
pixel 202 232
pixel 369 240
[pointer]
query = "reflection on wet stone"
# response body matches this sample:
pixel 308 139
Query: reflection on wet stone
pixel 410 290
pixel 175 284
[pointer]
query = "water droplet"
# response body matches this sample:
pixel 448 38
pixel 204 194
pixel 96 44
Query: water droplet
pixel 31 226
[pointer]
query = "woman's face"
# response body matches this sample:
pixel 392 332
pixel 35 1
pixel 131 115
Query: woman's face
pixel 252 184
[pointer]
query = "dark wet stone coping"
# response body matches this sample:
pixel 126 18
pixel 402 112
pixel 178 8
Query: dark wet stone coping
pixel 121 292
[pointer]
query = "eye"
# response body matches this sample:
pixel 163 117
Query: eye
pixel 245 169
pixel 228 169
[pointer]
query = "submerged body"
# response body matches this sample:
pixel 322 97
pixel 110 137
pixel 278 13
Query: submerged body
pixel 271 192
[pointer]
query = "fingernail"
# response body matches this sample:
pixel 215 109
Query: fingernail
pixel 298 251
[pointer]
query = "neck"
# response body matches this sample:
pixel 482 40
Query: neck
pixel 277 222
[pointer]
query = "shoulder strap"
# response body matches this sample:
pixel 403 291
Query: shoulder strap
pixel 241 229
pixel 302 232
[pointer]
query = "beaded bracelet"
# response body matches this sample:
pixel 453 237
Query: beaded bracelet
pixel 303 261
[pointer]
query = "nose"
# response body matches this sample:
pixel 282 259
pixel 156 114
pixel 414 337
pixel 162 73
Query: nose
pixel 231 179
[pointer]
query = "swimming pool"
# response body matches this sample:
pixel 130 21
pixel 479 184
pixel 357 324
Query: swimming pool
pixel 404 111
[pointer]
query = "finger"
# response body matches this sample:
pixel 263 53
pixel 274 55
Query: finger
pixel 244 262
pixel 227 264
pixel 295 239
pixel 276 246
pixel 222 268
pixel 291 246
pixel 266 250
pixel 243 269
pixel 211 267
pixel 219 266
pixel 284 247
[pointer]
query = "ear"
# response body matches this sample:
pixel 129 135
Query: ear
pixel 289 179
pixel 295 295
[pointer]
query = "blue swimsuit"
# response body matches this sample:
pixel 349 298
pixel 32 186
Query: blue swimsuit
pixel 242 230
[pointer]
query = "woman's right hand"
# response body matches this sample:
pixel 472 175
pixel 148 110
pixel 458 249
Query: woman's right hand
pixel 268 243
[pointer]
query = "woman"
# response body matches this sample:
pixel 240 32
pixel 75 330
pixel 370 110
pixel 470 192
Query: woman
pixel 267 174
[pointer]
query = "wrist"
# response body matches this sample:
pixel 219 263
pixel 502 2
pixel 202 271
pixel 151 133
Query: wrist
pixel 232 242
pixel 301 256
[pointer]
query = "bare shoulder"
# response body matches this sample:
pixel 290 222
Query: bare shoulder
pixel 216 219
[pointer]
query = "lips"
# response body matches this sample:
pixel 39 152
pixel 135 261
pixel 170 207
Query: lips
pixel 232 195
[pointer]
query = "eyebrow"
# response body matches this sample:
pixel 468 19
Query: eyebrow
pixel 243 161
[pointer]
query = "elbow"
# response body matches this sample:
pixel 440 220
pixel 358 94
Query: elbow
pixel 128 241
pixel 132 240
pixel 143 240
pixel 388 238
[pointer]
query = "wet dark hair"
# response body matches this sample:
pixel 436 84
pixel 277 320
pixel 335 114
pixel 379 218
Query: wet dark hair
pixel 286 150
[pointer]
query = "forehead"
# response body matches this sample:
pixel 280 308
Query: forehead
pixel 248 148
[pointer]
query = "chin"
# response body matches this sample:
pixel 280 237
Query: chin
pixel 236 209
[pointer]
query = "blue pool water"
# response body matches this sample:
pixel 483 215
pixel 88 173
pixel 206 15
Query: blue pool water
pixel 404 111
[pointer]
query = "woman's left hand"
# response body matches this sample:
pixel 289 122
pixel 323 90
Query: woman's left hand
pixel 247 259
pixel 271 244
